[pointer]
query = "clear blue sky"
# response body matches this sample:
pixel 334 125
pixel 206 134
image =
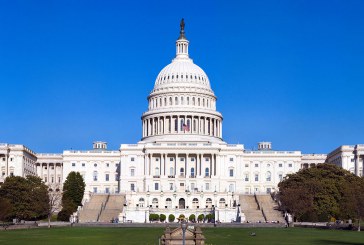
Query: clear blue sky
pixel 290 72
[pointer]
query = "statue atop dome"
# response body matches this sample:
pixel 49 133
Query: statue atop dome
pixel 182 31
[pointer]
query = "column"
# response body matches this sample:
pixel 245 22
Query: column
pixel 211 164
pixel 196 166
pixel 175 165
pixel 200 156
pixel 357 164
pixel 205 126
pixel 214 164
pixel 186 166
pixel 48 173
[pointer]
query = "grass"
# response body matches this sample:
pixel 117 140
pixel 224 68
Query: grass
pixel 125 236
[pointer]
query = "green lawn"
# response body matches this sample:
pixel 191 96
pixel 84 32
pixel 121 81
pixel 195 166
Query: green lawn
pixel 125 236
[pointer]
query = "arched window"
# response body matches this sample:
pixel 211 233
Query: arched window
pixel 160 101
pixel 169 202
pixel 207 172
pixel 188 124
pixel 170 101
pixel 194 125
pixel 208 203
pixel 155 202
pixel 268 176
pixel 157 171
pixel 141 202
pixel 192 172
pixel 188 100
pixel 195 203
pixel 182 171
pixel 176 125
pixel 182 102
pixel 222 203
pixel 198 102
pixel 207 103
pixel 193 101
pixel 203 102
pixel 171 171
pixel 165 101
pixel 175 100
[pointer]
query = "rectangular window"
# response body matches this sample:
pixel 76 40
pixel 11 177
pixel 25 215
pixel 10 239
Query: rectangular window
pixel 95 189
pixel 290 165
pixel 132 187
pixel 45 179
pixel 107 165
pixel 11 174
pixel 116 165
pixel 246 165
pixel 246 178
pixel 83 164
pixel 181 159
pixel 106 177
pixel 231 159
pixel 192 159
pixel 3 173
pixel 231 187
pixel 132 159
pixel 207 159
pixel 171 159
pixel 280 176
pixel 256 165
pixel 157 159
pixel 107 190
pixel 207 186
pixel 73 164
pixel 280 165
pixel 132 172
pixel 231 172
pixel 171 186
pixel 156 186
pixel 256 177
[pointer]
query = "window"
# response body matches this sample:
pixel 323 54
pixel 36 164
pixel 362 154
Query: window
pixel 246 165
pixel 207 172
pixel 45 178
pixel 256 165
pixel 157 159
pixel 73 164
pixel 95 165
pixel 206 159
pixel 3 174
pixel 246 177
pixel 171 171
pixel 222 203
pixel 231 187
pixel 280 177
pixel 290 165
pixel 83 164
pixel 107 190
pixel 157 171
pixel 182 171
pixel 95 189
pixel 256 177
pixel 171 186
pixel 209 202
pixel 107 165
pixel 106 177
pixel 95 175
pixel 155 202
pixel 280 165
pixel 194 203
pixel 156 186
pixel 192 159
pixel 207 186
pixel 171 159
pixel 132 187
pixel 52 179
pixel 132 172
pixel 231 172
pixel 231 159
pixel 192 172
pixel 169 203
pixel 141 202
pixel 181 159
pixel 268 176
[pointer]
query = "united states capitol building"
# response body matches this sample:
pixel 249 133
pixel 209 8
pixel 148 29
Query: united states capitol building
pixel 181 165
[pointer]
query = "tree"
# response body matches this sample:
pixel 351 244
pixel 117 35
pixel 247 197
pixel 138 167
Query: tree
pixel 171 218
pixel 320 193
pixel 162 217
pixel 201 217
pixel 55 199
pixel 5 208
pixel 192 218
pixel 73 191
pixel 27 196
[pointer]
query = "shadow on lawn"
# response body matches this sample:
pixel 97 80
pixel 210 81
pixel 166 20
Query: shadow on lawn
pixel 331 242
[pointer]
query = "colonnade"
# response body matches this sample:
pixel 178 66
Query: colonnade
pixel 51 173
pixel 164 167
pixel 182 124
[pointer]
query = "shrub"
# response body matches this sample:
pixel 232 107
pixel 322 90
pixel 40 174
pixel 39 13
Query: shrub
pixel 201 217
pixel 171 218
pixel 162 217
pixel 153 217
pixel 192 218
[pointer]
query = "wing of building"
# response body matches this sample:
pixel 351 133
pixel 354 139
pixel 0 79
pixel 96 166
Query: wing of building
pixel 181 165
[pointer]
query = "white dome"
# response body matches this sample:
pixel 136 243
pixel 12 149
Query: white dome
pixel 182 72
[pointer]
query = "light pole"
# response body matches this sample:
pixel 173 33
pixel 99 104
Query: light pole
pixel 184 227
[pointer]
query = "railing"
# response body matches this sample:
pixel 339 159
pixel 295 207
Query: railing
pixel 99 214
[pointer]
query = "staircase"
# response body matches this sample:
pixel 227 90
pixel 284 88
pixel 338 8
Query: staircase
pixel 91 210
pixel 250 208
pixel 270 208
pixel 114 206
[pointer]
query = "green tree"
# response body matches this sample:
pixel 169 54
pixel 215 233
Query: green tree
pixel 5 208
pixel 200 217
pixel 27 196
pixel 320 193
pixel 171 218
pixel 192 218
pixel 162 217
pixel 73 191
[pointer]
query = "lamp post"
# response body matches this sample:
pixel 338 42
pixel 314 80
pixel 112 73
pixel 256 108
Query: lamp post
pixel 184 227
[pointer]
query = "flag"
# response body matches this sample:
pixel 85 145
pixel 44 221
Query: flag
pixel 185 127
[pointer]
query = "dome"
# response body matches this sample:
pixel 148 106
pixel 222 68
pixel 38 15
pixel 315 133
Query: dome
pixel 182 73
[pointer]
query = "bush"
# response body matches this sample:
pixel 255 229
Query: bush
pixel 162 217
pixel 64 215
pixel 210 217
pixel 153 217
pixel 201 217
pixel 192 218
pixel 171 218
